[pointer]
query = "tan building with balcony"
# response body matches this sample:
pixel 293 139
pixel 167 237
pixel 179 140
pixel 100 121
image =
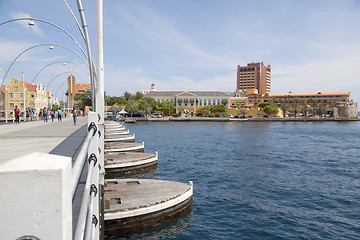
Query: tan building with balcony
pixel 326 98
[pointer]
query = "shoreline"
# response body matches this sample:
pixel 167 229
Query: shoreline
pixel 207 119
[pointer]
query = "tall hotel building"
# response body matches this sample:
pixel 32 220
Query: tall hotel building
pixel 254 76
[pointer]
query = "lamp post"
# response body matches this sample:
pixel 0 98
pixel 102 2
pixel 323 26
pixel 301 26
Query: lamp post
pixel 31 23
pixel 84 35
pixel 51 47
pixel 87 42
pixel 24 96
pixel 64 63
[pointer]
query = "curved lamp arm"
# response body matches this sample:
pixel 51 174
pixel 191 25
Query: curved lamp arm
pixel 39 45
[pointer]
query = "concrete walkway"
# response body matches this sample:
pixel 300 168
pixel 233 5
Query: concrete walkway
pixel 36 136
pixel 60 138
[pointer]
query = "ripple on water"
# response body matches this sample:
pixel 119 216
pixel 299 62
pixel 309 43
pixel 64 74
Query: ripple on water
pixel 259 180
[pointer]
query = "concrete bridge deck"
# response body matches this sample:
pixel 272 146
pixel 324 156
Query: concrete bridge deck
pixel 36 136
pixel 60 138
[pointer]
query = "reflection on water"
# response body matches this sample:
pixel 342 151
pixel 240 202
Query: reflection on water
pixel 176 227
pixel 256 180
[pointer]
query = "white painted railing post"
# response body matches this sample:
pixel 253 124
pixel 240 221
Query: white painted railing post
pixel 93 221
pixel 36 197
pixel 100 100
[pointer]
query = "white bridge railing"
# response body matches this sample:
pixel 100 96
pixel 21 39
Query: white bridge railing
pixel 88 226
pixel 38 191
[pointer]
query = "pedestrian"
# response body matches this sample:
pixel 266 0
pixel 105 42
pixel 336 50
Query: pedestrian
pixel 59 115
pixel 45 114
pixel 17 115
pixel 65 113
pixel 74 114
pixel 52 114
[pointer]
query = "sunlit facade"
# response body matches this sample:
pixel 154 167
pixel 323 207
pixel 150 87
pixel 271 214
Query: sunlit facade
pixel 254 76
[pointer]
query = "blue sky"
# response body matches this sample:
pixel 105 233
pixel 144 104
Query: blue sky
pixel 311 45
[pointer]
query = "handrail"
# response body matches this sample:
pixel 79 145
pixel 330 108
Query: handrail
pixel 80 160
pixel 90 217
pixel 81 223
pixel 87 224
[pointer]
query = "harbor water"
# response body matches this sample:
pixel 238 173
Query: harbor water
pixel 259 180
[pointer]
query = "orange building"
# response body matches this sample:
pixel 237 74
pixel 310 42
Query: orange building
pixel 254 76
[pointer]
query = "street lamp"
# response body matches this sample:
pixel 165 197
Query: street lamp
pixel 51 46
pixel 32 23
pixel 83 34
pixel 64 63
pixel 57 77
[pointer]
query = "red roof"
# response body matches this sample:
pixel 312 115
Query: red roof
pixel 81 88
pixel 29 86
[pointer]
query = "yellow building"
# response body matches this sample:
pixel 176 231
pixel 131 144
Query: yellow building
pixel 191 101
pixel 24 95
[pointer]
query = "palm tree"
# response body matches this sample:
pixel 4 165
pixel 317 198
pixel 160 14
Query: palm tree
pixel 285 107
pixel 296 108
pixel 304 108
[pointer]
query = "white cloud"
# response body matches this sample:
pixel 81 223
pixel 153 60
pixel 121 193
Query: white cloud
pixel 10 49
pixel 135 79
pixel 154 31
pixel 35 29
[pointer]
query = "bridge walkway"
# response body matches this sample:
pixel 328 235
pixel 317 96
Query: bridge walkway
pixel 60 138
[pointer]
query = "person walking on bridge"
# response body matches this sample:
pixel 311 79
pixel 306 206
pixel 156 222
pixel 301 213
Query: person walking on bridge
pixel 59 115
pixel 74 114
pixel 45 114
pixel 17 115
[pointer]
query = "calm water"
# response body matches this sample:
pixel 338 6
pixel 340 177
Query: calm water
pixel 259 180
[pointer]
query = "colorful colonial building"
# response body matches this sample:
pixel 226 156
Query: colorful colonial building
pixel 192 101
pixel 24 95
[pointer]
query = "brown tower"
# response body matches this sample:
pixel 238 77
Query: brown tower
pixel 254 76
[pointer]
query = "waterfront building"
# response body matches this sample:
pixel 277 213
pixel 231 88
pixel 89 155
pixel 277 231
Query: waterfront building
pixel 153 89
pixel 71 91
pixel 326 98
pixel 24 95
pixel 346 110
pixel 254 76
pixel 82 88
pixel 191 101
pixel 2 102
pixel 238 99
pixel 75 88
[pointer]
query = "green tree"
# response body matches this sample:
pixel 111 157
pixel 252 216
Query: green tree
pixel 270 110
pixel 132 106
pixel 144 106
pixel 151 101
pixel 117 100
pixel 264 104
pixel 139 95
pixel 295 108
pixel 167 107
pixel 115 108
pixel 304 108
pixel 83 100
pixel 285 108
pixel 216 109
pixel 127 95
pixel 147 108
